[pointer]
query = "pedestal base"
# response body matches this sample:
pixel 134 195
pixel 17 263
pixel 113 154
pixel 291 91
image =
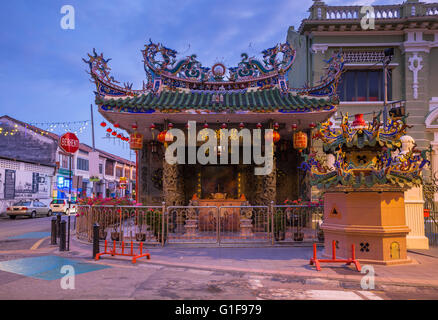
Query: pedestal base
pixel 191 227
pixel 246 227
pixel 373 221
pixel 417 242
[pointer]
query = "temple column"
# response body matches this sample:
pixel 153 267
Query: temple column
pixel 414 202
pixel 173 190
pixel 269 185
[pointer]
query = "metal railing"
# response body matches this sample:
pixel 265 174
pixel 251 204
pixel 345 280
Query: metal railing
pixel 160 225
pixel 431 228
pixel 297 223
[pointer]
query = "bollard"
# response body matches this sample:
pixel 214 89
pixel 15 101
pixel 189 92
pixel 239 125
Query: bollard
pixel 95 240
pixel 58 225
pixel 53 234
pixel 62 236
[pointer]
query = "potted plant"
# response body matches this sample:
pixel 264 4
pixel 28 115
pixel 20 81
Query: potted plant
pixel 157 225
pixel 299 235
pixel 280 225
pixel 321 235
pixel 115 234
pixel 102 232
pixel 140 235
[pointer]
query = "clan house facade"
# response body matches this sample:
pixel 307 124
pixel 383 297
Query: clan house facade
pixel 253 95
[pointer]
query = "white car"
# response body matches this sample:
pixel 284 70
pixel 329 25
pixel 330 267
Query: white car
pixel 60 206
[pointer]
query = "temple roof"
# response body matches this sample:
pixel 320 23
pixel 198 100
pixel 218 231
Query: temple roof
pixel 198 85
pixel 266 100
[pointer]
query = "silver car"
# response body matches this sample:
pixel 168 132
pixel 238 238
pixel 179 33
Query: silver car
pixel 31 208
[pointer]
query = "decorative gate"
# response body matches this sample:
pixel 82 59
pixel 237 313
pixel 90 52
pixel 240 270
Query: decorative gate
pixel 192 224
pixel 244 224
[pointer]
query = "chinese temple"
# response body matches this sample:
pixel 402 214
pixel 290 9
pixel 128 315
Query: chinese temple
pixel 254 95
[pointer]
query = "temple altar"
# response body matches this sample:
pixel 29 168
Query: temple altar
pixel 230 217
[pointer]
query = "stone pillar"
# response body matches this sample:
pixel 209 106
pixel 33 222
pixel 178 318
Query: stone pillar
pixel 266 187
pixel 416 238
pixel 143 166
pixel 172 186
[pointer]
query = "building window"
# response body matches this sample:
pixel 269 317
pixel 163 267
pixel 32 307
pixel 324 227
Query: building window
pixel 119 172
pixel 109 168
pixel 363 85
pixel 100 168
pixel 82 164
pixel 64 161
pixel 127 173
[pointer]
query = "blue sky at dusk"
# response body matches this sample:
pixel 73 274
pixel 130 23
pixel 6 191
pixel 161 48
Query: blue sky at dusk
pixel 43 77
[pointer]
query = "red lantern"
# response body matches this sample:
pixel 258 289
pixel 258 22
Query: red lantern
pixel 275 136
pixel 170 125
pixel 300 140
pixel 134 126
pixel 258 125
pixel 241 125
pixel 136 142
pixel 205 125
pixel 294 126
pixel 312 125
pixel 116 125
pixel 276 126
pixel 109 130
pixel 162 136
pixel 119 136
pixel 152 126
pixel 103 124
pixel 223 126
pixel 114 133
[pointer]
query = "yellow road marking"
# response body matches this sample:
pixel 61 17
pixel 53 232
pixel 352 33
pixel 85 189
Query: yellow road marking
pixel 38 243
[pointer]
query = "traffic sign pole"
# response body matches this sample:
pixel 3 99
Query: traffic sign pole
pixel 69 202
pixel 70 144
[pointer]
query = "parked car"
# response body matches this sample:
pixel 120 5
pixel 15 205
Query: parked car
pixel 61 206
pixel 31 208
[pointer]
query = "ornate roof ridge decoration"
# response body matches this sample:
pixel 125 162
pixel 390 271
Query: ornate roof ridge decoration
pixel 161 61
pixel 366 154
pixel 165 73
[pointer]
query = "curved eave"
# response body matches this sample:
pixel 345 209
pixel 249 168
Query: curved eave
pixel 261 101
pixel 106 88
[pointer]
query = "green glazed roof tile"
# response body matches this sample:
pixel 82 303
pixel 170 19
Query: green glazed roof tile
pixel 268 99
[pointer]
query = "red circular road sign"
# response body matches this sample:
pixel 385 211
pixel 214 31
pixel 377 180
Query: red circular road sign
pixel 69 142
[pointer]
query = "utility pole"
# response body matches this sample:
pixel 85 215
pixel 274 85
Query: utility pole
pixel 92 127
pixel 389 53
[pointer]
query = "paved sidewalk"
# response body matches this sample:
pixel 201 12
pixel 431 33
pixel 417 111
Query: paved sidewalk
pixel 285 261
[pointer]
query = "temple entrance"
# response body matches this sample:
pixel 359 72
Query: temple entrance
pixel 219 181
pixel 229 223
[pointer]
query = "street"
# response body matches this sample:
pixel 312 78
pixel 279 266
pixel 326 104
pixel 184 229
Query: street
pixel 25 249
